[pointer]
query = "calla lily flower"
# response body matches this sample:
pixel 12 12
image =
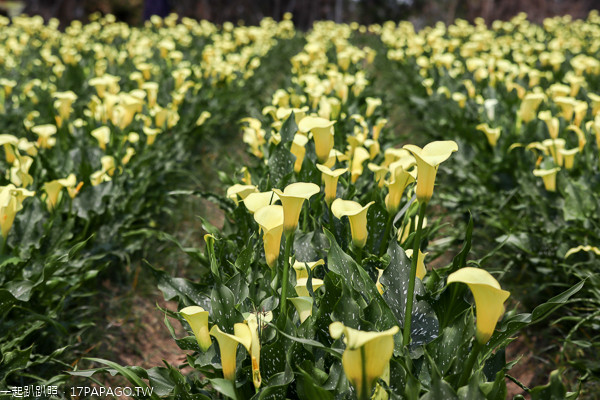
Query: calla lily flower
pixel 330 178
pixel 45 133
pixel 372 104
pixel 551 122
pixel 102 135
pixel 360 155
pixel 292 198
pixel 270 219
pixel 567 106
pixel 378 284
pixel 401 179
pixel 240 191
pixel 300 267
pixel 150 134
pixel 11 202
pixel 549 177
pixel 335 156
pixel 492 134
pixel 380 171
pixel 303 306
pixel 256 201
pixel 366 357
pixel 298 150
pixel 228 346
pixel 254 349
pixel 322 131
pixel 9 142
pixel 428 160
pixel 301 288
pixel 357 215
pixel 53 190
pixel 568 157
pixel 489 299
pixel 529 106
pixel 197 317
pixel 421 270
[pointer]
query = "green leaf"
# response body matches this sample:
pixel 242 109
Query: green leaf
pixel 309 389
pixel 395 279
pixel 281 163
pixel 288 129
pixel 224 387
pixel 224 313
pixel 128 373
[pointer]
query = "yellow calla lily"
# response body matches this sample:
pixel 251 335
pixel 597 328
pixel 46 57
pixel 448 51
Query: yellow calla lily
pixel 9 142
pixel 330 179
pixel 301 288
pixel 53 190
pixel 380 171
pixel 303 306
pixel 102 135
pixel 580 135
pixel 270 219
pixel 298 150
pixel 366 357
pixel 228 346
pixel 359 156
pixel 401 179
pixel 45 133
pixel 569 156
pixel 292 198
pixel 256 201
pixel 197 317
pixel 322 130
pixel 489 299
pixel 300 267
pixel 372 104
pixel 357 215
pixel 428 160
pixel 529 106
pixel 551 122
pixel 254 349
pixel 549 177
pixel 421 270
pixel 492 134
pixel 11 202
pixel 240 191
pixel 335 156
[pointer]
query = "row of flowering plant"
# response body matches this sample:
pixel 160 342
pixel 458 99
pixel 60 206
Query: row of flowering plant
pixel 523 101
pixel 319 271
pixel 95 129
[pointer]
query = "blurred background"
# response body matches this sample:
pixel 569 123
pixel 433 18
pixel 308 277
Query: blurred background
pixel 420 12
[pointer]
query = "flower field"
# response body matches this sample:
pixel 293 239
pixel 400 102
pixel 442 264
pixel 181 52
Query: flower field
pixel 380 212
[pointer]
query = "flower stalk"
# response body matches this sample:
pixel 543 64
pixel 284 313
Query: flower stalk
pixel 413 275
pixel 289 239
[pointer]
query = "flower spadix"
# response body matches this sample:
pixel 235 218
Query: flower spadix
pixel 228 346
pixel 357 215
pixel 428 160
pixel 197 317
pixel 330 179
pixel 292 198
pixel 366 356
pixel 270 219
pixel 322 130
pixel 489 299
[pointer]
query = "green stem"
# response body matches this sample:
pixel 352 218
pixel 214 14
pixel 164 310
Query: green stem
pixel 469 365
pixel 413 275
pixel 386 234
pixel 364 395
pixel 358 252
pixel 3 250
pixel 289 239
